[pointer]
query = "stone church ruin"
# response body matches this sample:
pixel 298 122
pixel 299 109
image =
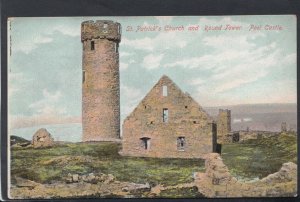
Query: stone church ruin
pixel 168 123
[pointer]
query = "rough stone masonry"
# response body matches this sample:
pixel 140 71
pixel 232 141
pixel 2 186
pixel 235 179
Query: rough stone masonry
pixel 100 80
pixel 168 123
pixel 42 138
pixel 218 182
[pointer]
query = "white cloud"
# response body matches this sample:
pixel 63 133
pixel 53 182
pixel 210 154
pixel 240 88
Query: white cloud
pixel 237 120
pixel 142 44
pixel 49 104
pixel 197 81
pixel 27 46
pixel 125 54
pixel 164 19
pixel 131 61
pixel 230 66
pixel 15 77
pixel 123 66
pixel 152 61
pixel 31 42
pixel 162 41
pixel 16 82
pixel 68 30
pixel 228 42
pixel 132 96
pixel 247 119
pixel 290 59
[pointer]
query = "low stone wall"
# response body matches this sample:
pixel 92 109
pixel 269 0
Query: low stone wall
pixel 248 135
pixel 218 182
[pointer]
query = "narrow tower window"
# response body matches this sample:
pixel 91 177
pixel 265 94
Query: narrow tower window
pixel 165 90
pixel 92 45
pixel 116 47
pixel 83 76
pixel 145 143
pixel 181 143
pixel 105 28
pixel 165 115
pixel 119 29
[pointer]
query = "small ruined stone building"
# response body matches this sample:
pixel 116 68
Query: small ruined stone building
pixel 42 138
pixel 224 127
pixel 168 123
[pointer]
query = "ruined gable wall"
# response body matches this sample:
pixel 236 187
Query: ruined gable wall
pixel 186 119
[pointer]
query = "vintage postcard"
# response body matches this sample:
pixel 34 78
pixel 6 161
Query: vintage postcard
pixel 152 107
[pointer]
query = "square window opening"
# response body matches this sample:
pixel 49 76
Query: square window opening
pixel 181 144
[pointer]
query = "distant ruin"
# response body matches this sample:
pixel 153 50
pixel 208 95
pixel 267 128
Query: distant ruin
pixel 223 125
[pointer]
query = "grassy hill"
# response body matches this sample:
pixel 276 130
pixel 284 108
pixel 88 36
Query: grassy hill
pixel 51 164
pixel 18 140
pixel 261 157
pixel 250 159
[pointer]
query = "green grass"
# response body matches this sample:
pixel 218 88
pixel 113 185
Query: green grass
pixel 250 159
pixel 191 192
pixel 259 158
pixel 50 164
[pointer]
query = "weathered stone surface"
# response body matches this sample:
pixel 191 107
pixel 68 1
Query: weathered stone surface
pixel 217 181
pixel 134 188
pixel 90 178
pixel 26 189
pixel 223 125
pixel 21 182
pixel 110 178
pixel 75 178
pixel 287 172
pixel 42 138
pixel 254 134
pixel 100 85
pixel 186 119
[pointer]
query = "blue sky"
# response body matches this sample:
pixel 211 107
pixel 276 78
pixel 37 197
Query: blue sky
pixel 216 67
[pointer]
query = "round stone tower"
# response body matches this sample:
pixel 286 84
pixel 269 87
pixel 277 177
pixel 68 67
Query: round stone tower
pixel 100 80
